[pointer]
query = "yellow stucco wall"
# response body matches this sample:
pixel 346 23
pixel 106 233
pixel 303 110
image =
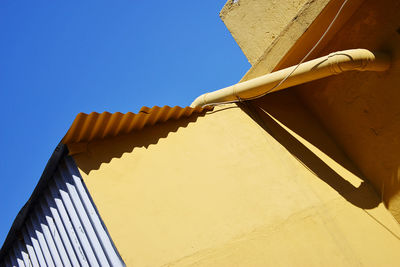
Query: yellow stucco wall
pixel 255 24
pixel 269 31
pixel 300 35
pixel 361 110
pixel 219 190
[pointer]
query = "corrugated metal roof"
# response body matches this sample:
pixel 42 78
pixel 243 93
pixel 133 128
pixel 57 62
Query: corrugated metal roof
pixel 63 227
pixel 87 127
pixel 59 225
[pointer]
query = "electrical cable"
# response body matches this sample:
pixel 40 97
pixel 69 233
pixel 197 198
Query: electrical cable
pixel 289 74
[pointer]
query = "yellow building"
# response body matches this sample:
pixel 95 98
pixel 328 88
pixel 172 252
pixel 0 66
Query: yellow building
pixel 307 176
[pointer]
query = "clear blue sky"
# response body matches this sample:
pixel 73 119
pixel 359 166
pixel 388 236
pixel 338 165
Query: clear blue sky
pixel 59 58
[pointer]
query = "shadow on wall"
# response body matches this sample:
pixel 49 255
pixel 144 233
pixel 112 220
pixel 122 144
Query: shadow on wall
pixel 285 108
pixel 361 110
pixel 103 151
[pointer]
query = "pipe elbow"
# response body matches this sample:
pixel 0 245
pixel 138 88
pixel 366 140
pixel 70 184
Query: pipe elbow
pixel 380 62
pixel 200 101
pixel 358 59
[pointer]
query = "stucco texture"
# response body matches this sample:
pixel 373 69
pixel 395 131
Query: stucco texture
pixel 361 110
pixel 256 23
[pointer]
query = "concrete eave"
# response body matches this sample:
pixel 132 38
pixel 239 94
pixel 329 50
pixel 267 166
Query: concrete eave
pixel 288 45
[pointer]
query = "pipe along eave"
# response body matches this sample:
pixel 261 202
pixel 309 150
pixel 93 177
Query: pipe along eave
pixel 332 64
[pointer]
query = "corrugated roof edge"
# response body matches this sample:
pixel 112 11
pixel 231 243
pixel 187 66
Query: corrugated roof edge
pixel 88 127
pixel 59 152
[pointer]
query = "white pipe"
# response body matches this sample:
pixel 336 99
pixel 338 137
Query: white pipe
pixel 332 64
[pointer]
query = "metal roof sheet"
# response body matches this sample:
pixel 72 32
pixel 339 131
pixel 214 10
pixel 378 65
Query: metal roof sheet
pixel 60 227
pixel 87 127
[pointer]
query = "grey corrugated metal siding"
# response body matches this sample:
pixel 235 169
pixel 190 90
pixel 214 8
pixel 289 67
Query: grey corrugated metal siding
pixel 64 227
